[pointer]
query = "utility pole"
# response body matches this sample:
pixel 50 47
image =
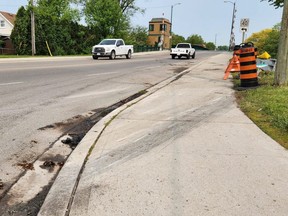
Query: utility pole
pixel 171 39
pixel 281 73
pixel 215 42
pixel 33 28
pixel 232 35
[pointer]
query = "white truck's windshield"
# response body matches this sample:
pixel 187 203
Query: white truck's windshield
pixel 108 42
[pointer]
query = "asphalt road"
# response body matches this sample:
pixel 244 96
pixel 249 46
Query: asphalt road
pixel 39 92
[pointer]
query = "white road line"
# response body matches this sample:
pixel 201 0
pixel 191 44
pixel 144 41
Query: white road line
pixel 100 74
pixel 12 83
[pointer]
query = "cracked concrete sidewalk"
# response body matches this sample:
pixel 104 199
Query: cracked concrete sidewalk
pixel 183 149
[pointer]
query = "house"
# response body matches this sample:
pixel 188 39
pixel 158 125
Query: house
pixel 6 26
pixel 159 33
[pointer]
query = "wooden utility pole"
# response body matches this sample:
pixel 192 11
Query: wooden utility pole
pixel 33 28
pixel 281 73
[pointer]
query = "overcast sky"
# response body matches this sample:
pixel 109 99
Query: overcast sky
pixel 211 19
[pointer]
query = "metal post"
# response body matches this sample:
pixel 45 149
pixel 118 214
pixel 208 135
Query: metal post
pixel 172 6
pixel 33 29
pixel 215 42
pixel 243 36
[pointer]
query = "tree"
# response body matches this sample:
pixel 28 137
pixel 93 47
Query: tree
pixel 56 24
pixel 272 41
pixel 63 35
pixel 210 46
pixel 58 9
pixel 177 39
pixel 259 39
pixel 195 39
pixel 276 3
pixel 137 36
pixel 223 48
pixel 128 6
pixel 266 40
pixel 21 36
pixel 281 73
pixel 105 17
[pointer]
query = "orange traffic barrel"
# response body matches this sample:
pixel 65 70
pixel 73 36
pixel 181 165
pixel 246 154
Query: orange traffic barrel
pixel 248 68
pixel 237 50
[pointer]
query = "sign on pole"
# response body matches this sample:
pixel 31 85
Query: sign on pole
pixel 244 24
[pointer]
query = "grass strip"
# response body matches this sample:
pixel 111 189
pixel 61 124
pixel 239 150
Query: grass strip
pixel 267 107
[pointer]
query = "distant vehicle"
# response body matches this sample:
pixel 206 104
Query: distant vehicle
pixel 183 49
pixel 112 48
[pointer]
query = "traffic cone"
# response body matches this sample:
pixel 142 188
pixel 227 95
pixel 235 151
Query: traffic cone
pixel 233 67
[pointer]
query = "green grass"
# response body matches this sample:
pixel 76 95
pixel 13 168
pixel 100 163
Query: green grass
pixel 38 56
pixel 267 106
pixel 14 56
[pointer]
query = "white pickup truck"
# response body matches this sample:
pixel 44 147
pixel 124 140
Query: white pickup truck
pixel 112 48
pixel 183 49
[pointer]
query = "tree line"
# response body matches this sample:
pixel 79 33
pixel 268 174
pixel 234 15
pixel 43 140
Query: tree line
pixel 58 25
pixel 196 39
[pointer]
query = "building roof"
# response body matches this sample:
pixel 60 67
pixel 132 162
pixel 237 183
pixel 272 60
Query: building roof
pixel 9 16
pixel 160 20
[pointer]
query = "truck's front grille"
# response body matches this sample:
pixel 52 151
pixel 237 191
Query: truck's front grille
pixel 99 50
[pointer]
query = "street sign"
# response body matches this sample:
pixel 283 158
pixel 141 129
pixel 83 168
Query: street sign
pixel 244 24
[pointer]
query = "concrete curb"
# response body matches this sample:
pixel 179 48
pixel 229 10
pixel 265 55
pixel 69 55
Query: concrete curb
pixel 61 193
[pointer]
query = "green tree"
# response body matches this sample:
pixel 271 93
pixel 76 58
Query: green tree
pixel 195 39
pixel 64 36
pixel 259 39
pixel 266 40
pixel 272 41
pixel 129 7
pixel 21 36
pixel 210 46
pixel 58 9
pixel 177 39
pixel 105 17
pixel 276 3
pixel 223 48
pixel 137 36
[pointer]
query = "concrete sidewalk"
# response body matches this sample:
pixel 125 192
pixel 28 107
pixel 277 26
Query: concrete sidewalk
pixel 184 148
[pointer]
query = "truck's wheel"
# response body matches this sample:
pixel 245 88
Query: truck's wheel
pixel 112 55
pixel 95 57
pixel 173 56
pixel 188 56
pixel 193 56
pixel 129 54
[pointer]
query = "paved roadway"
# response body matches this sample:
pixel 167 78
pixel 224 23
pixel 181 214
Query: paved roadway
pixel 42 91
